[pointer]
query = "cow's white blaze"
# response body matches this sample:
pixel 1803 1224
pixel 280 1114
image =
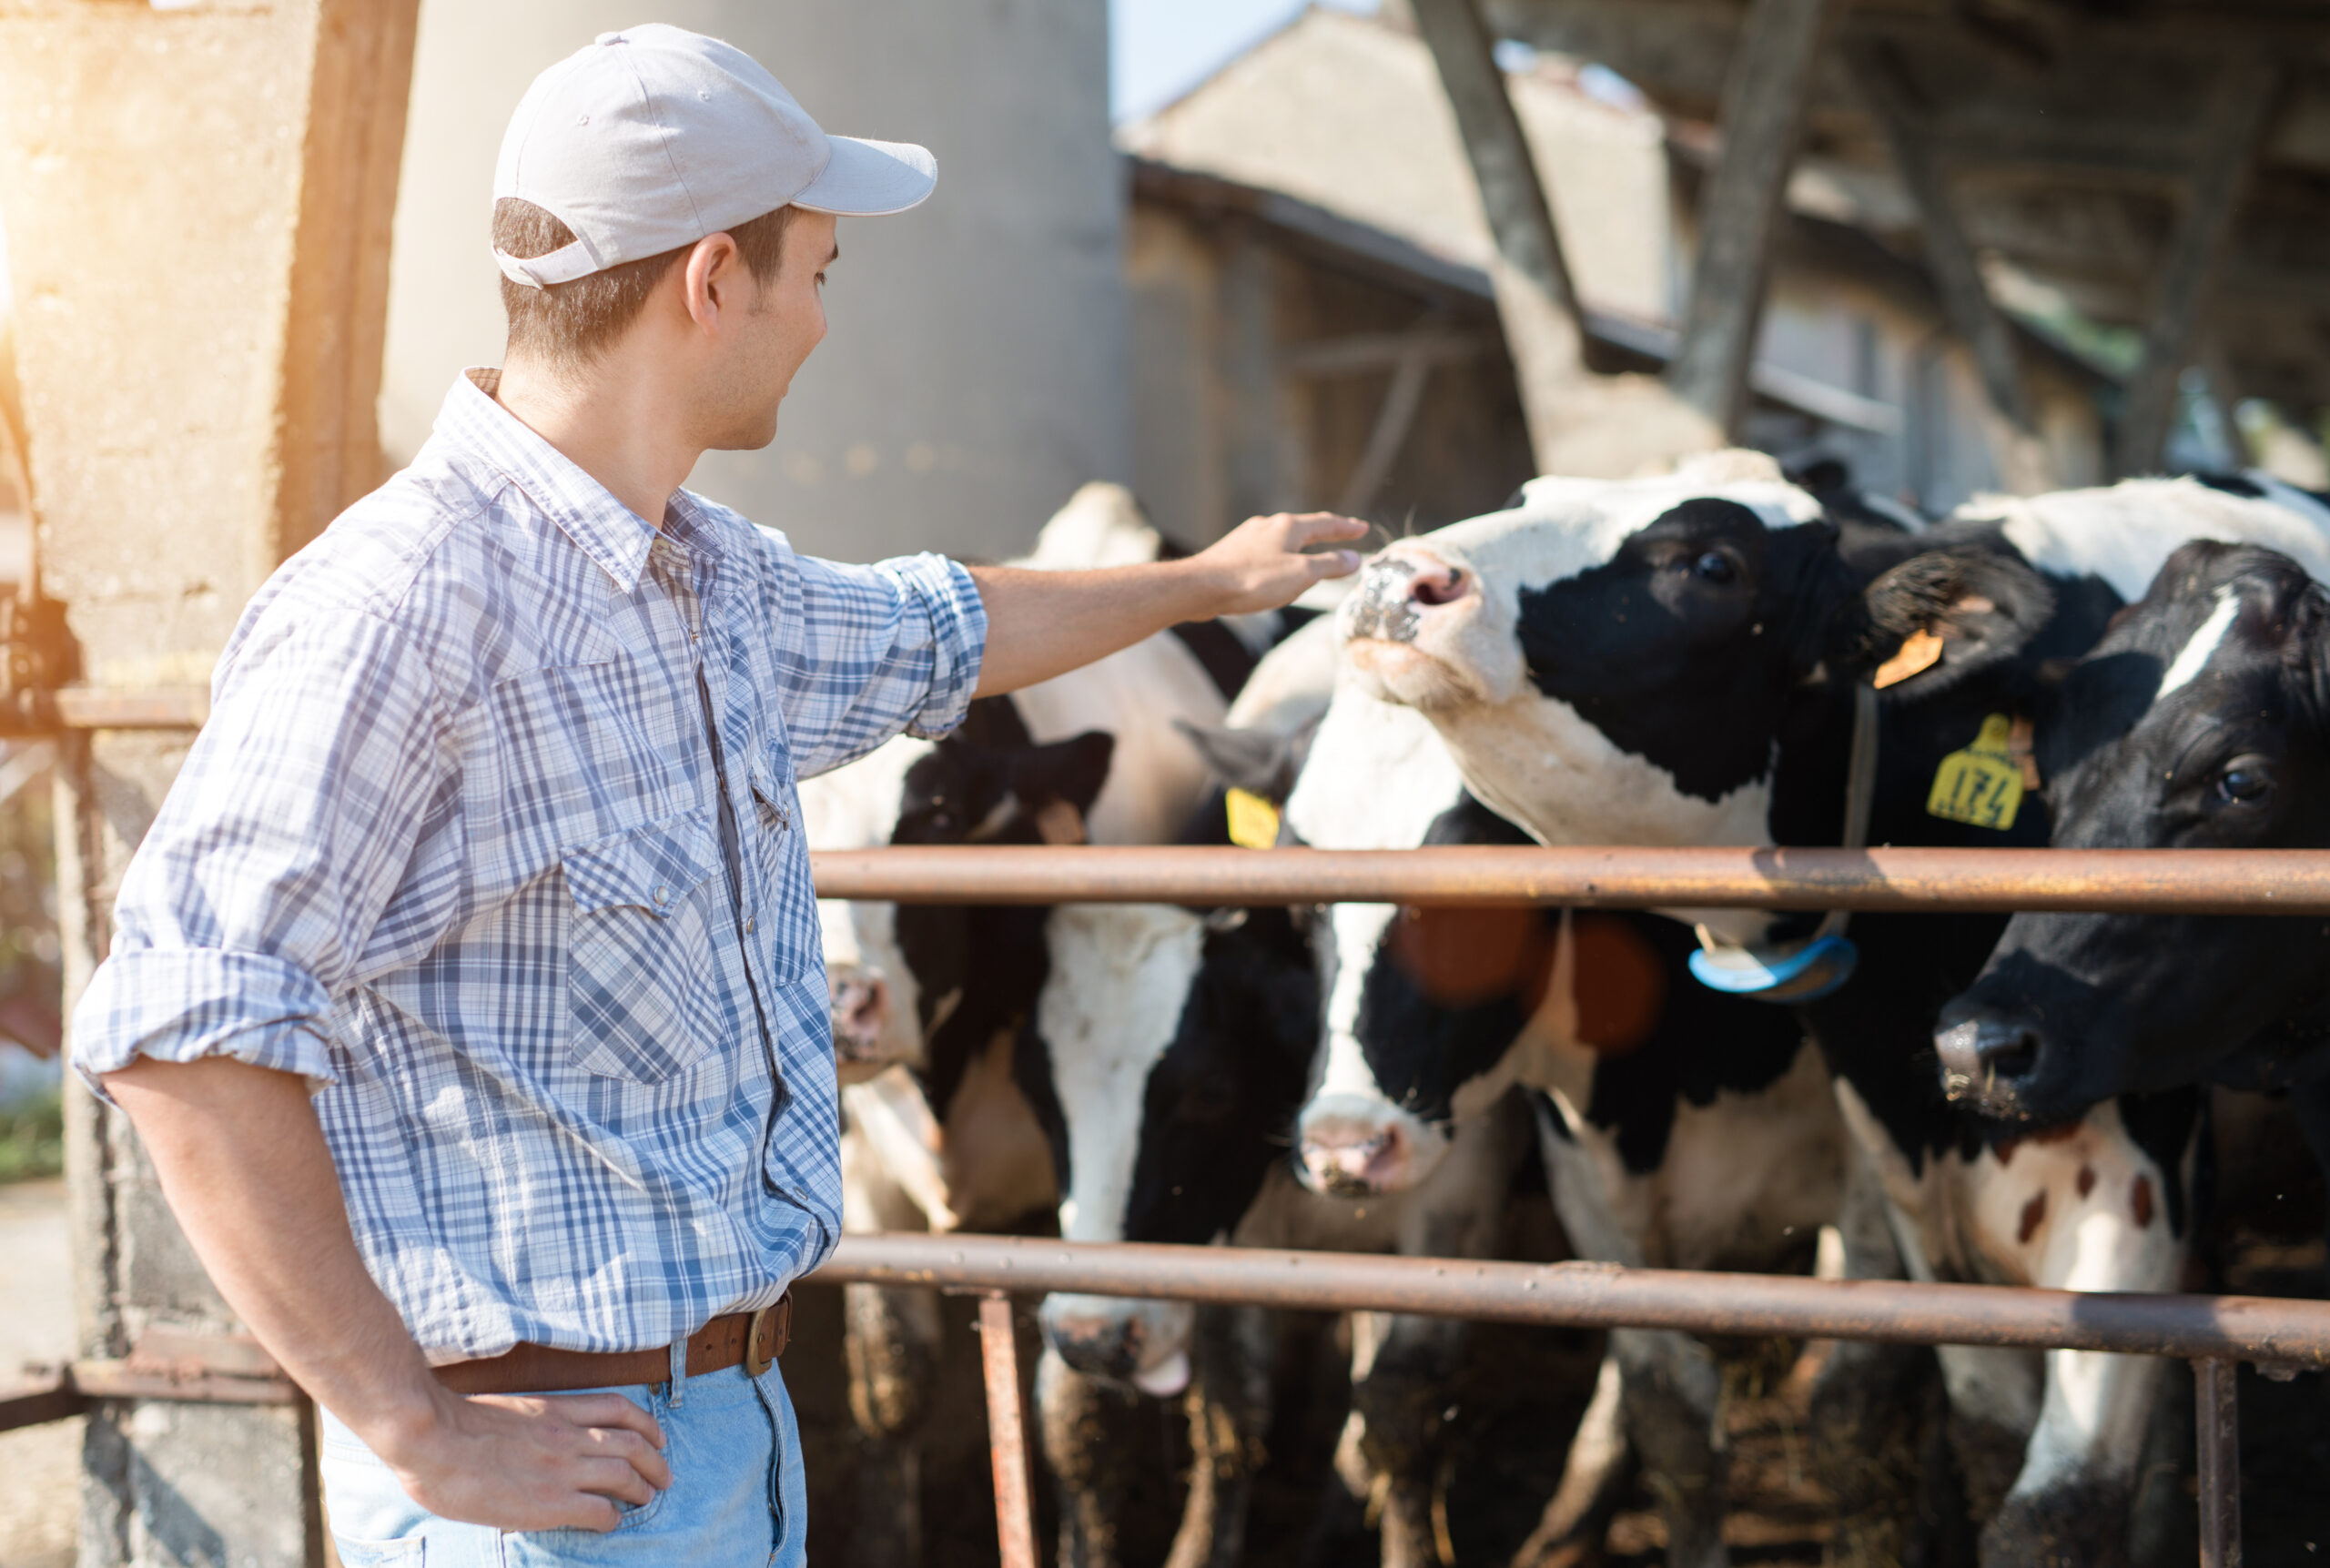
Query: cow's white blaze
pixel 1377 778
pixel 2202 646
pixel 1121 975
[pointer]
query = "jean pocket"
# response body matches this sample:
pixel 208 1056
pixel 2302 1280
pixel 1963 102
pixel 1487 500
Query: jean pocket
pixel 404 1554
pixel 643 981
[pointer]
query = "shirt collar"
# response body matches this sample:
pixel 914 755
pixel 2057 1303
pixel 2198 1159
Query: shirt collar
pixel 617 538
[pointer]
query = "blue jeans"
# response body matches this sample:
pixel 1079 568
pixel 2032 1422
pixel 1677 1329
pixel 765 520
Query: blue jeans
pixel 738 1498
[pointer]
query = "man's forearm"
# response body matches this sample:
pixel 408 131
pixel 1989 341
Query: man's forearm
pixel 243 1162
pixel 1044 623
pixel 1053 622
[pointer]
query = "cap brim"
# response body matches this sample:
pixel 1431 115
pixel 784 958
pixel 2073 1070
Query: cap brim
pixel 867 179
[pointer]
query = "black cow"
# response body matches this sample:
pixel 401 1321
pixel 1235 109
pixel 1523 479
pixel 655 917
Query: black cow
pixel 2200 720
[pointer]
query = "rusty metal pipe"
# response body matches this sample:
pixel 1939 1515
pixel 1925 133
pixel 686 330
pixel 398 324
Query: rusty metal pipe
pixel 1601 1296
pixel 1906 881
pixel 2218 1416
pixel 1007 1434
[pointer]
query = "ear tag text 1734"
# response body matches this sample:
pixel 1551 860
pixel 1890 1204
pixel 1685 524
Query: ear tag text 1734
pixel 1981 785
pixel 1253 821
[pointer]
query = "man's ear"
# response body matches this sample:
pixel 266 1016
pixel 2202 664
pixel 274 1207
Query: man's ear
pixel 1942 615
pixel 1259 761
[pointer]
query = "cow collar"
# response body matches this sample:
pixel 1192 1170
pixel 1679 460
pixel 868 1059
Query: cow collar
pixel 1824 960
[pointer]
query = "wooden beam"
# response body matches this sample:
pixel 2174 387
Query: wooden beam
pixel 1949 255
pixel 1763 99
pixel 1579 423
pixel 2226 147
pixel 1529 273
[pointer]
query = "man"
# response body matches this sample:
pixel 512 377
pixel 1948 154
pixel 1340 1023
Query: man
pixel 466 990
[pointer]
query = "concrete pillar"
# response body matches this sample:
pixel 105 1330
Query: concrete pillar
pixel 197 204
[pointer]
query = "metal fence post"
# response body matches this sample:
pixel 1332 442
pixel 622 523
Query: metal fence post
pixel 1007 1433
pixel 2219 1442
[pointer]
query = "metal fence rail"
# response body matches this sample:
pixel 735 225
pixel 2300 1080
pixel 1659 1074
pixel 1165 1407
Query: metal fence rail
pixel 1897 881
pixel 2215 1333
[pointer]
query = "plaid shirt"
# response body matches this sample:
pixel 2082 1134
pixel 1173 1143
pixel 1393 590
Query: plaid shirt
pixel 454 847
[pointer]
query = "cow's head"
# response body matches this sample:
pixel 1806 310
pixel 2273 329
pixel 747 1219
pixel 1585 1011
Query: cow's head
pixel 898 973
pixel 2202 718
pixel 1622 661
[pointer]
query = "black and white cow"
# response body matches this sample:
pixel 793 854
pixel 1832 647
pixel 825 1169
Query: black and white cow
pixel 1682 1129
pixel 1673 660
pixel 1178 1045
pixel 2200 720
pixel 944 1120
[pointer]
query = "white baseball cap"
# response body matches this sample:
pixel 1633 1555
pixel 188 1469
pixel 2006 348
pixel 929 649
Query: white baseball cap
pixel 655 137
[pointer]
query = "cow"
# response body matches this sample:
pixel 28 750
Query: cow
pixel 1178 1043
pixel 2200 720
pixel 1674 661
pixel 942 1125
pixel 1679 1128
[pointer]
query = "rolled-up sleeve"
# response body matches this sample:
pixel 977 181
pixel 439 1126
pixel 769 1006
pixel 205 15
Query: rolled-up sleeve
pixel 280 865
pixel 876 650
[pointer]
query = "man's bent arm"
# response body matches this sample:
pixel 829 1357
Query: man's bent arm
pixel 243 1163
pixel 1045 623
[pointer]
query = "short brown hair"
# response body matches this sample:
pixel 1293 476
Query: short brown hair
pixel 568 324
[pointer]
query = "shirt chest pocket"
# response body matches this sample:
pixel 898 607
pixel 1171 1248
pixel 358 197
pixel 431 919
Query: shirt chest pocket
pixel 642 973
pixel 789 942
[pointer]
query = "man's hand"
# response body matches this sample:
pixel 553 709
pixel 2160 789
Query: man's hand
pixel 556 1462
pixel 1261 564
pixel 243 1163
pixel 1045 623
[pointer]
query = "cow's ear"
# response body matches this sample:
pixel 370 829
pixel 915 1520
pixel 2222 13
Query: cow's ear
pixel 1259 761
pixel 1071 771
pixel 1942 615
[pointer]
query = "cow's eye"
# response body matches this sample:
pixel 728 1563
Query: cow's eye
pixel 2245 780
pixel 1715 566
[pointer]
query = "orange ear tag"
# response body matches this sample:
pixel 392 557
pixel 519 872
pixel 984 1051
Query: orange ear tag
pixel 1981 785
pixel 1253 821
pixel 1917 652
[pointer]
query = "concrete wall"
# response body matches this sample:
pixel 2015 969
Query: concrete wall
pixel 975 373
pixel 198 206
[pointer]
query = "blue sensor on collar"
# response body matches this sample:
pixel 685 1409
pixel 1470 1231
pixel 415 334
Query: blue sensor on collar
pixel 1800 975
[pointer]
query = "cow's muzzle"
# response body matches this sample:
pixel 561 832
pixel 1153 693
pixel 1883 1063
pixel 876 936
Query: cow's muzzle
pixel 1989 1059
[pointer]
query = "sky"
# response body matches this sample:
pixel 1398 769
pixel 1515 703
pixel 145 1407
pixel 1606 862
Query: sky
pixel 1159 49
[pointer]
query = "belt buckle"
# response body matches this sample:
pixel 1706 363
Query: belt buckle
pixel 757 1363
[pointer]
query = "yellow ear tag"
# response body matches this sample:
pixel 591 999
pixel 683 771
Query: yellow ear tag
pixel 1981 785
pixel 1253 821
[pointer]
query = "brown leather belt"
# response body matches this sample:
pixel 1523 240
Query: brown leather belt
pixel 750 1339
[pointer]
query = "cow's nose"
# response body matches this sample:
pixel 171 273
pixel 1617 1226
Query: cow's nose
pixel 1436 582
pixel 1981 1051
pixel 1099 1345
pixel 1348 1158
pixel 861 1009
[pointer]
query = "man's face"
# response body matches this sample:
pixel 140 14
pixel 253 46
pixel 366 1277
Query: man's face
pixel 778 323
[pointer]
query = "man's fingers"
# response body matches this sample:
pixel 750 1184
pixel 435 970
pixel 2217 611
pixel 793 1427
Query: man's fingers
pixel 614 1442
pixel 610 1410
pixel 1330 564
pixel 613 1478
pixel 1322 527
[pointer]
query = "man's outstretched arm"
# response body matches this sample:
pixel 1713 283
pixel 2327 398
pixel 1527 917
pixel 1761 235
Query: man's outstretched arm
pixel 1045 623
pixel 243 1163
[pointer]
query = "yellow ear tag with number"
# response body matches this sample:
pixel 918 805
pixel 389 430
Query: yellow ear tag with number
pixel 1981 785
pixel 1253 821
